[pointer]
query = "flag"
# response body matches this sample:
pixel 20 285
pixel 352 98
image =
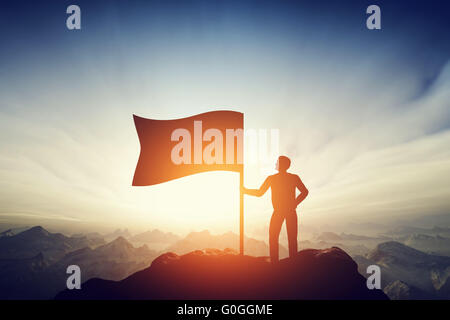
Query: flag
pixel 171 149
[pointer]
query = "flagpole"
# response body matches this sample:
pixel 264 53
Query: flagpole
pixel 241 211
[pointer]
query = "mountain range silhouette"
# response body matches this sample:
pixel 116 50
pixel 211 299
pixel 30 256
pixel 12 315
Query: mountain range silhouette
pixel 408 273
pixel 223 274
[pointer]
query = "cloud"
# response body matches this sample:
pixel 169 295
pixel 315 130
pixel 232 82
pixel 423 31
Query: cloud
pixel 395 164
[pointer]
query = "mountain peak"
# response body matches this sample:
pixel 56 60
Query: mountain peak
pixel 6 233
pixel 35 231
pixel 197 233
pixel 37 228
pixel 399 290
pixel 119 242
pixel 395 252
pixel 218 274
pixel 329 236
pixel 397 249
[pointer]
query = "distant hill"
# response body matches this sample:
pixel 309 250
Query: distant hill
pixel 399 290
pixel 355 237
pixel 7 233
pixel 155 239
pixel 115 260
pixel 204 240
pixel 95 238
pixel 444 290
pixel 415 268
pixel 353 244
pixel 432 244
pixel 328 236
pixel 407 230
pixel 33 241
pixel 351 249
pixel 117 233
pixel 12 231
pixel 24 276
pixel 217 274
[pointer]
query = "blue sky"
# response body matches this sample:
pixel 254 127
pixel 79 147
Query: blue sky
pixel 363 114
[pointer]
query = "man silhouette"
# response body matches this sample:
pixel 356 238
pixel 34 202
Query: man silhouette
pixel 284 201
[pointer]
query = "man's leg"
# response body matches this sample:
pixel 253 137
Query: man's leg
pixel 292 229
pixel 274 233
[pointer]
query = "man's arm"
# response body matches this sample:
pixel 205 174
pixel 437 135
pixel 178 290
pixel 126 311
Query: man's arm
pixel 303 192
pixel 258 192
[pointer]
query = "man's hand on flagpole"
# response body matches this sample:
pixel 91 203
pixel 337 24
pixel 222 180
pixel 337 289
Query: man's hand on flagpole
pixel 257 192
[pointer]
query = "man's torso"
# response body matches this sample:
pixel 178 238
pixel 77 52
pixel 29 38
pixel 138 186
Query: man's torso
pixel 283 186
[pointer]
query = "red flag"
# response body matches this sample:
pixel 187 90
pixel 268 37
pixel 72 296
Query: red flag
pixel 172 149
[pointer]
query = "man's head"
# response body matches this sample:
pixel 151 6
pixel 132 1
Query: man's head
pixel 283 163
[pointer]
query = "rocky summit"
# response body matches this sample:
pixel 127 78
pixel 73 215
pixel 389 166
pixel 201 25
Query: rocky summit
pixel 223 274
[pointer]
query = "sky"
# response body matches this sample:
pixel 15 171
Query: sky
pixel 363 114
